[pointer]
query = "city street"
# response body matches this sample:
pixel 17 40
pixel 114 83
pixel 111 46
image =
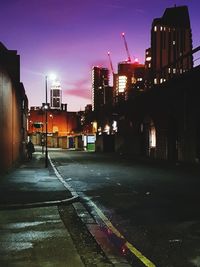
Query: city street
pixel 149 209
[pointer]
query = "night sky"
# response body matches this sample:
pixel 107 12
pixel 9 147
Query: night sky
pixel 69 37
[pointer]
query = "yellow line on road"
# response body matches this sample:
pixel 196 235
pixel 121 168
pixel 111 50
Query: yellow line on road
pixel 128 245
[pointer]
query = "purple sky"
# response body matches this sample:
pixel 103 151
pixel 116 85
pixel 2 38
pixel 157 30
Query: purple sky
pixel 69 37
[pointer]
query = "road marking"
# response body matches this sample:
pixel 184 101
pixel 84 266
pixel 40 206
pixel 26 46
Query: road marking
pixel 59 176
pixel 127 244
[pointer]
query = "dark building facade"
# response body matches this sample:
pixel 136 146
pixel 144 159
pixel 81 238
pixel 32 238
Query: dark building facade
pixel 171 44
pixel 101 91
pixel 13 110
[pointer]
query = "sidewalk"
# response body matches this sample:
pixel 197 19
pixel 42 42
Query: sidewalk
pixel 31 231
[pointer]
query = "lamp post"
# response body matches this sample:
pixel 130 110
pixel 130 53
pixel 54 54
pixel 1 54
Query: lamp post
pixel 46 111
pixel 46 107
pixel 51 116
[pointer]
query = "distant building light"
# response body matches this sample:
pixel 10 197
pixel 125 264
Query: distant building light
pixel 155 28
pixel 114 126
pixel 148 58
pixel 155 81
pixel 107 129
pixel 99 131
pixel 94 126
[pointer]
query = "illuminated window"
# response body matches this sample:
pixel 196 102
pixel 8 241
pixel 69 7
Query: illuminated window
pixel 169 70
pixel 174 71
pixel 122 83
pixel 155 81
pixel 114 125
pixel 107 129
pixel 174 42
pixel 152 136
pixel 161 28
pixel 155 28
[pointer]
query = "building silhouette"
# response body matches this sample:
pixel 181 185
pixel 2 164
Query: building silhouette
pixel 171 45
pixel 13 110
pixel 100 87
pixel 55 95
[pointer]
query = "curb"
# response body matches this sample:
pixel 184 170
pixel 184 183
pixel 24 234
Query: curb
pixel 67 201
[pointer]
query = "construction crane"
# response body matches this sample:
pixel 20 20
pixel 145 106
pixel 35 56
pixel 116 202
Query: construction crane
pixel 126 46
pixel 111 65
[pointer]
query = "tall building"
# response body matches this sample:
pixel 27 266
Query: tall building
pixel 171 41
pixel 100 86
pixel 128 80
pixel 55 95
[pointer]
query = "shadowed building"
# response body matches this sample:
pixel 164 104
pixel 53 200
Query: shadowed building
pixel 13 110
pixel 101 91
pixel 171 42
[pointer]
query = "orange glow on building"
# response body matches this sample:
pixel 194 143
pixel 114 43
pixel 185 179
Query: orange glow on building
pixel 59 122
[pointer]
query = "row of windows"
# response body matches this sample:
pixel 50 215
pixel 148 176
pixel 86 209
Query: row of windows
pixel 163 28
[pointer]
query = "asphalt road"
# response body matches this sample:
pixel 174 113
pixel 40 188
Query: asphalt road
pixel 153 206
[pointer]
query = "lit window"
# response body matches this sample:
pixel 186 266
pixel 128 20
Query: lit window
pixel 161 80
pixel 161 28
pixel 107 129
pixel 155 28
pixel 114 125
pixel 155 81
pixel 148 59
pixel 152 136
pixel 174 42
pixel 169 70
pixel 174 70
pixel 122 83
